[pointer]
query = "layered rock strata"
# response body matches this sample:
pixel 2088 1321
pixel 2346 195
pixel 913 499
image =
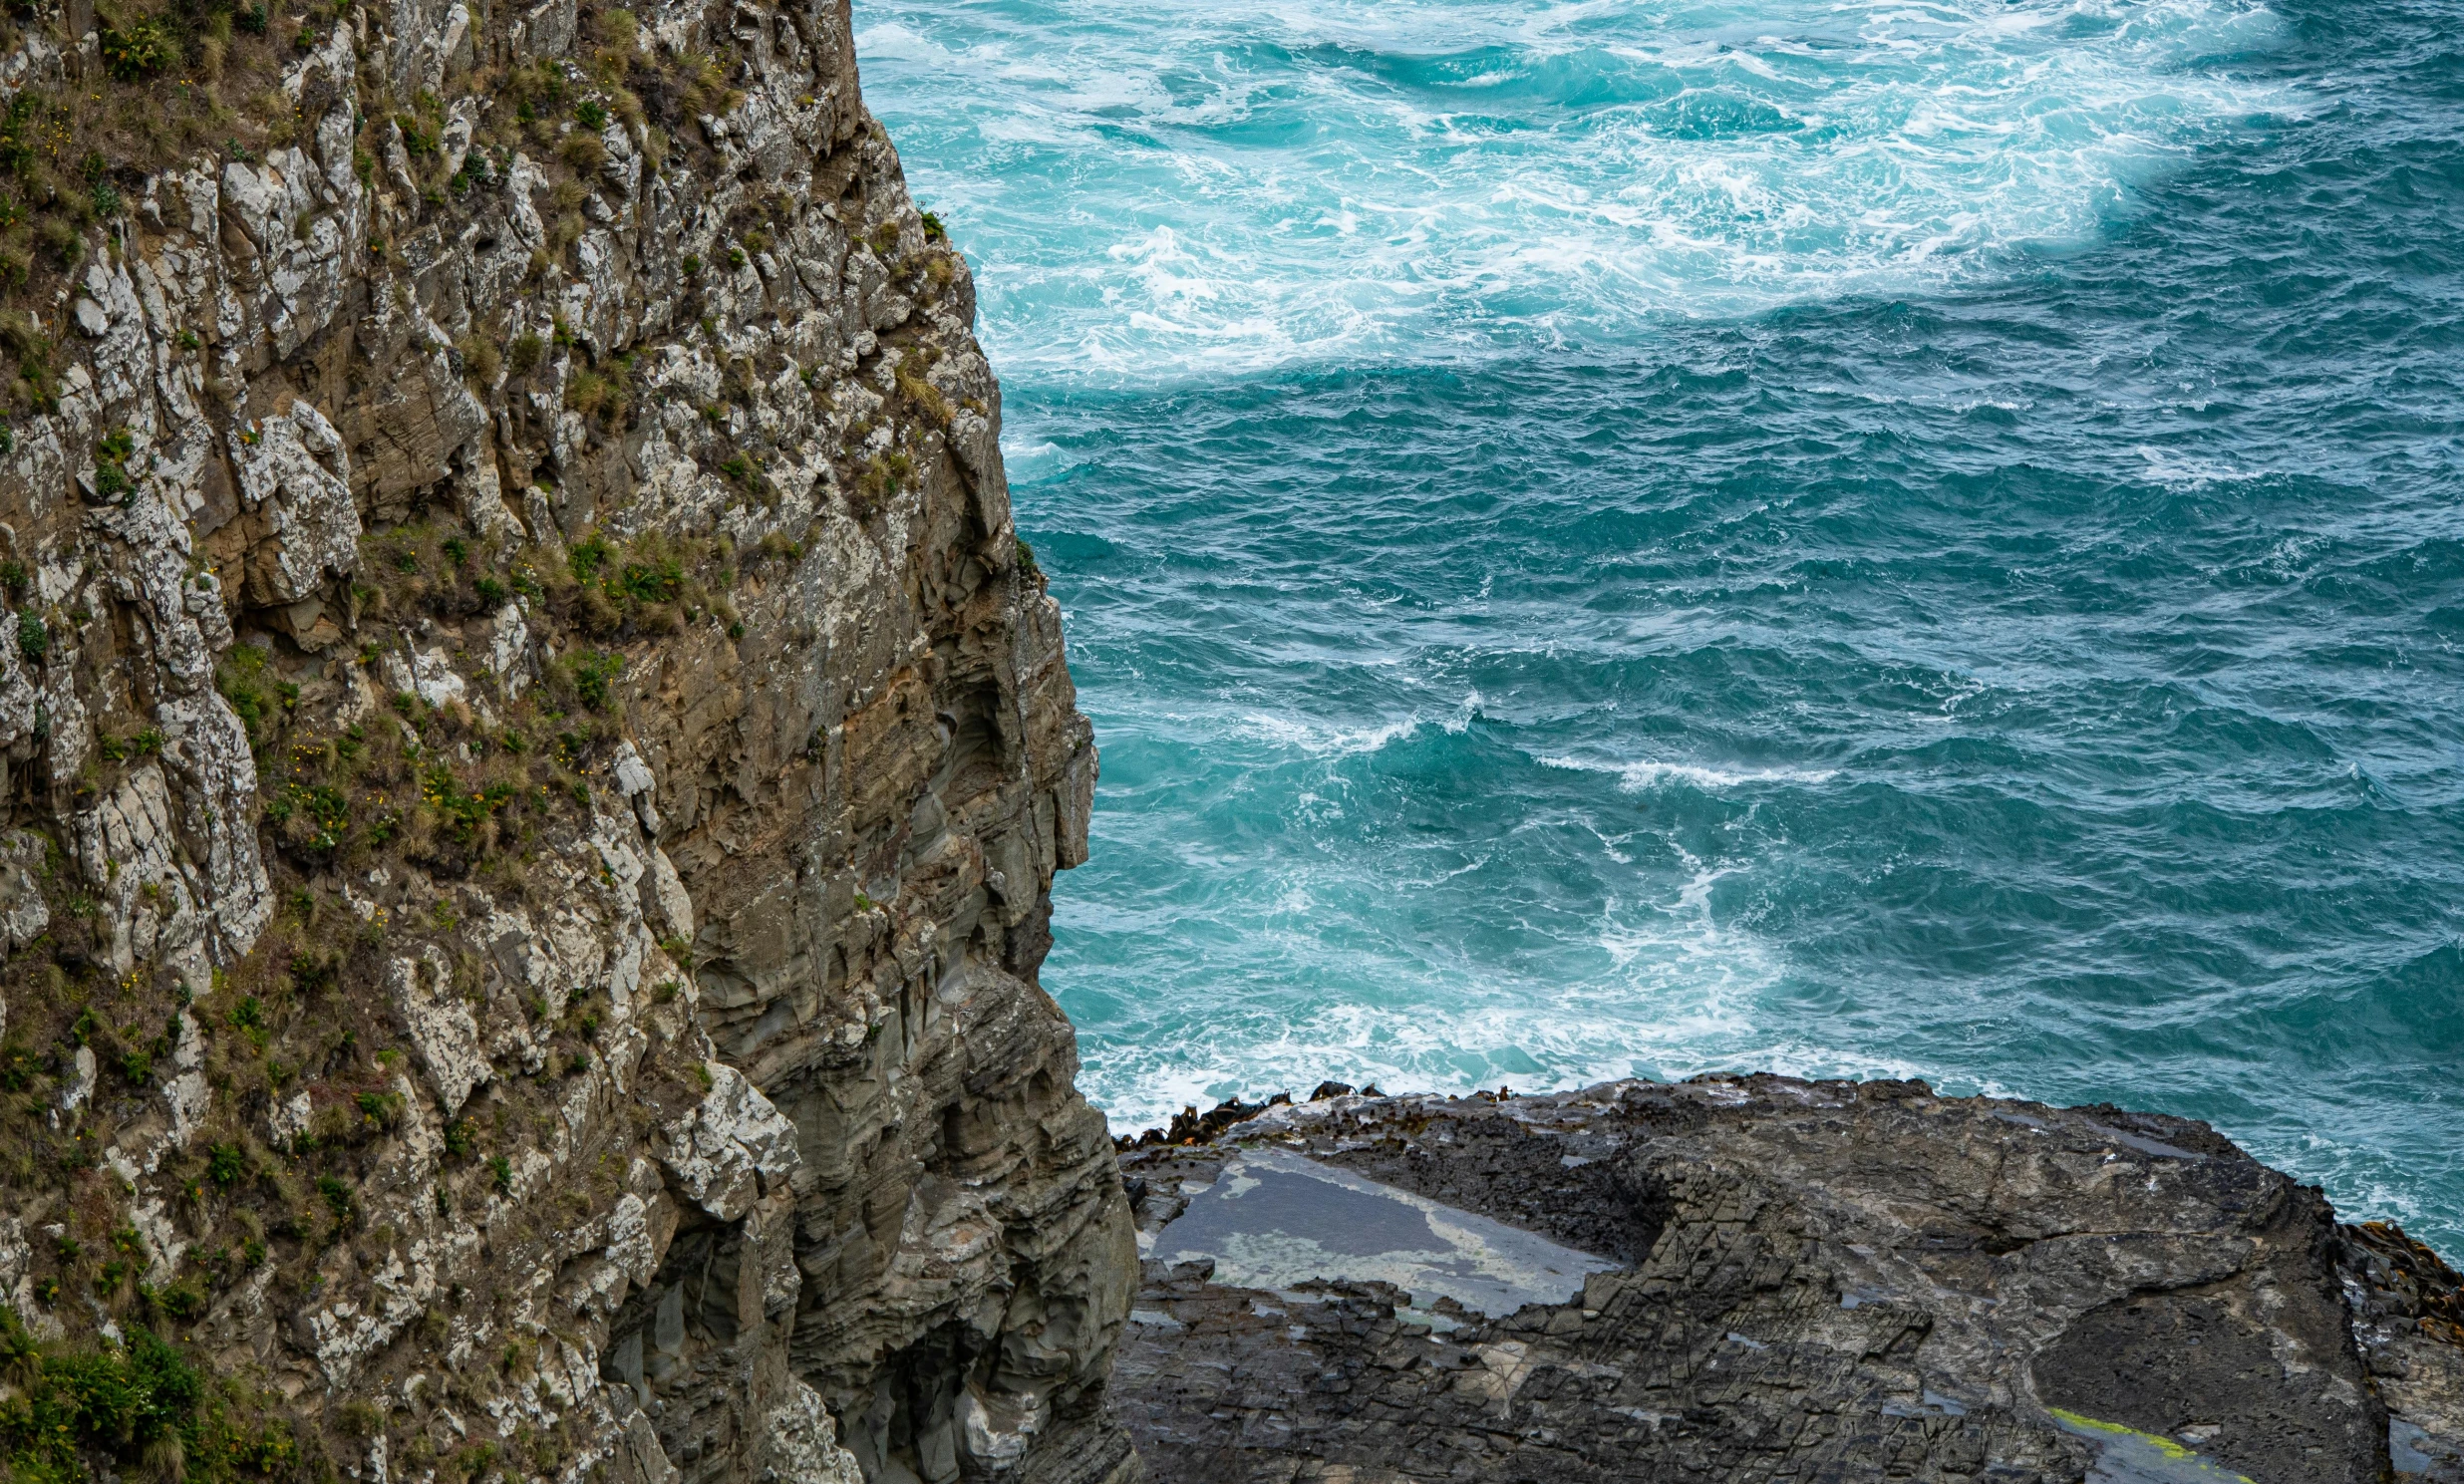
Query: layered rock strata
pixel 535 760
pixel 1758 1278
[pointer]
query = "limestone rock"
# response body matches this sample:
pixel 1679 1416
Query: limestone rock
pixel 81 1080
pixel 635 783
pixel 732 1145
pixel 441 1025
pixel 22 913
pixel 292 469
pixel 802 1443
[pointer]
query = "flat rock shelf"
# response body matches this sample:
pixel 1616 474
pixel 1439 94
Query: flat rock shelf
pixel 1762 1277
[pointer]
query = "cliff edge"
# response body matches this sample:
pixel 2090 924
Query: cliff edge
pixel 534 760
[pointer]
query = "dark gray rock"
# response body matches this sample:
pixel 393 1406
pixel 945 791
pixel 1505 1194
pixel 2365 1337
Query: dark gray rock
pixel 1791 1280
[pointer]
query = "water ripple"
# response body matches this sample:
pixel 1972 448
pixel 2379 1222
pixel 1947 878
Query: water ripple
pixel 1855 538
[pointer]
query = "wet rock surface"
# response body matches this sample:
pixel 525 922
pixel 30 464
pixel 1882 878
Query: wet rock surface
pixel 1799 1280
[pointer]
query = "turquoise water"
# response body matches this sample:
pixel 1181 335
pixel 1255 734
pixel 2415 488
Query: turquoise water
pixel 1858 538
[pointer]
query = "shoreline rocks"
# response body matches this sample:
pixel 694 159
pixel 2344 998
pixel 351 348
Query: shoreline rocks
pixel 1788 1280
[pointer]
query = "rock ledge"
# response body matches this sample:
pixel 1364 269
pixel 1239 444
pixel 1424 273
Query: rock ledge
pixel 1789 1280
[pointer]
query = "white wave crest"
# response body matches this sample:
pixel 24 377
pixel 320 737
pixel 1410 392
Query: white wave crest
pixel 1162 191
pixel 1667 989
pixel 1641 777
pixel 1318 739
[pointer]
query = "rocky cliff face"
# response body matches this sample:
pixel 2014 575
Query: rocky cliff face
pixel 534 760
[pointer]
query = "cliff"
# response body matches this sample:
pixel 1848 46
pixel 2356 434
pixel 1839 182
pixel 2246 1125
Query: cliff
pixel 535 762
pixel 1759 1277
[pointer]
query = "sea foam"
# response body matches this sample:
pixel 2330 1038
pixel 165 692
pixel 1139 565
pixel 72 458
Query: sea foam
pixel 1868 540
pixel 1186 190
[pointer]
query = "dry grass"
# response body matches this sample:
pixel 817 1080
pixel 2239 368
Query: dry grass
pixel 70 155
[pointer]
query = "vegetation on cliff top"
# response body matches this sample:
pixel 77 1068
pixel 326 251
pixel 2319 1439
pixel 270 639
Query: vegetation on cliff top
pixel 198 78
pixel 163 87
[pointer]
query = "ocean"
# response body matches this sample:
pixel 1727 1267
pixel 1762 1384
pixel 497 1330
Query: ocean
pixel 1870 538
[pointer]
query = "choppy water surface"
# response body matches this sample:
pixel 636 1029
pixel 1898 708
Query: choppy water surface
pixel 1867 538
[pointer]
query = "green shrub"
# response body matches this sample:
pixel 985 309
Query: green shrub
pixel 592 672
pixel 138 1406
pixel 18 136
pixel 33 637
pixel 139 50
pixel 239 679
pixel 112 1400
pixel 182 1301
pixel 587 558
pixel 463 813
